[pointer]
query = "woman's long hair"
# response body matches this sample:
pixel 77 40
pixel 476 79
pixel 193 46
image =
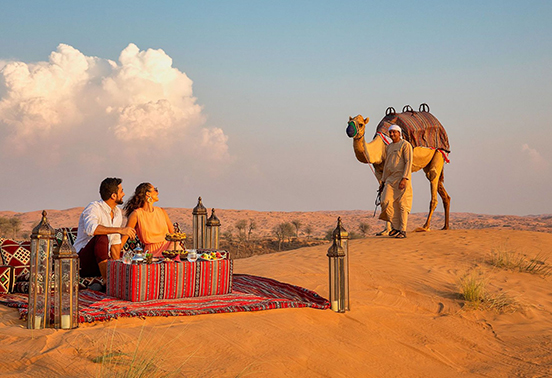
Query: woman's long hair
pixel 138 199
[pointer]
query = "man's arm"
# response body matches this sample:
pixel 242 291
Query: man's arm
pixel 407 156
pixel 125 231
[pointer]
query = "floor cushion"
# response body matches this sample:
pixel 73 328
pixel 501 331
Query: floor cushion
pixel 16 254
pixel 6 279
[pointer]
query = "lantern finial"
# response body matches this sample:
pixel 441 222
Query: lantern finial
pixel 43 228
pixel 199 209
pixel 213 220
pixel 340 232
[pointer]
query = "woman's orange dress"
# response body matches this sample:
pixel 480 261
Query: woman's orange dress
pixel 152 228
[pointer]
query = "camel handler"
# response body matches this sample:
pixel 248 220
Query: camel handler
pixel 396 198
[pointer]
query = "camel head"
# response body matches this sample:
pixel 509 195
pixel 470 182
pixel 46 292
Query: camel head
pixel 368 153
pixel 357 126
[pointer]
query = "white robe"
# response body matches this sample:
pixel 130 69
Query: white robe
pixel 396 203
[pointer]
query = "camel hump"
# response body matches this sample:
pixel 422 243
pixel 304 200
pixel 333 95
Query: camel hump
pixel 421 129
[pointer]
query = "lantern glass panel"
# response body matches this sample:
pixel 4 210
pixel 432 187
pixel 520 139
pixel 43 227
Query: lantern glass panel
pixel 39 284
pixel 341 281
pixel 333 283
pixel 66 293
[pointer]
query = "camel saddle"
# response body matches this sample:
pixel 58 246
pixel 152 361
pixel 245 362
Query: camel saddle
pixel 420 128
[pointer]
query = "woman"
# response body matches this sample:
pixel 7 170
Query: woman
pixel 151 223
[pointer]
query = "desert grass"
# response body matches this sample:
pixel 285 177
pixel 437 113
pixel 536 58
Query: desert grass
pixel 142 361
pixel 505 258
pixel 473 289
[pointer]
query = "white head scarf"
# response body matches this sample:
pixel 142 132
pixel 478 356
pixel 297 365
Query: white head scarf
pixel 395 127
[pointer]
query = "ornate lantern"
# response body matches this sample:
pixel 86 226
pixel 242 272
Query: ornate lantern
pixel 200 219
pixel 66 285
pixel 213 229
pixel 40 282
pixel 342 237
pixel 336 256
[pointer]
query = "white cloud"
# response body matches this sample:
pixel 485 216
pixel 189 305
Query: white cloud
pixel 535 158
pixel 96 110
pixel 214 143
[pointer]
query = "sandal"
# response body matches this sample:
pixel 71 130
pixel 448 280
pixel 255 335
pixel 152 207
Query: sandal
pixel 393 232
pixel 401 235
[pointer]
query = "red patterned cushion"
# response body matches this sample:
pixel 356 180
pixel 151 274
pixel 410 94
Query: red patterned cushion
pixel 16 254
pixel 71 234
pixel 6 279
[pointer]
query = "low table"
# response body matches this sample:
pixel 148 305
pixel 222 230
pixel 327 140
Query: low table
pixel 168 279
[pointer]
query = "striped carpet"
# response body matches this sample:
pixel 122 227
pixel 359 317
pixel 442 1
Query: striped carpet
pixel 249 293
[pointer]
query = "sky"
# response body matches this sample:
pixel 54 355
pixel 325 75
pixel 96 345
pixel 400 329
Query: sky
pixel 245 103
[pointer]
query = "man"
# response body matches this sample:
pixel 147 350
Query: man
pixel 100 230
pixel 396 198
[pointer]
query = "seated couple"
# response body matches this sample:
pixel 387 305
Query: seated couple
pixel 101 234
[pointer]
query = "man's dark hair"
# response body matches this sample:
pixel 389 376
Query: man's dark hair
pixel 109 186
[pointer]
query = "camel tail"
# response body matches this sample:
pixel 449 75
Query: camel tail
pixel 442 177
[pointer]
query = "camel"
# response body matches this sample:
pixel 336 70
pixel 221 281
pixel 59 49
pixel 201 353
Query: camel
pixel 431 160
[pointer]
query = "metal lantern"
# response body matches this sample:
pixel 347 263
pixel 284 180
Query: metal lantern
pixel 40 282
pixel 66 285
pixel 342 237
pixel 336 256
pixel 200 219
pixel 213 229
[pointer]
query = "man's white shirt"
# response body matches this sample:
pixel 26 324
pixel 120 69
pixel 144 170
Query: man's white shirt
pixel 95 214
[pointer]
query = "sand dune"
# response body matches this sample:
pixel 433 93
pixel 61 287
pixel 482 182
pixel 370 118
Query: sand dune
pixel 319 221
pixel 405 321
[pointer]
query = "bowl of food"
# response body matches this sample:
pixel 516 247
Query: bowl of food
pixel 169 254
pixel 175 237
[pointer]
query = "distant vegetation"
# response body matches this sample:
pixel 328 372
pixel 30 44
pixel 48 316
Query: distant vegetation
pixel 242 241
pixel 10 227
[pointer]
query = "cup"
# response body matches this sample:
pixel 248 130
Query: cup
pixel 127 257
pixel 192 255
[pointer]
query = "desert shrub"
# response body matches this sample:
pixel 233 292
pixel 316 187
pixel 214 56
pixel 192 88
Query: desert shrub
pixel 505 258
pixel 472 288
pixel 364 228
pixel 473 291
pixel 143 359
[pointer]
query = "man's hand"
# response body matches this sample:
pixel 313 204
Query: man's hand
pixel 128 231
pixel 402 184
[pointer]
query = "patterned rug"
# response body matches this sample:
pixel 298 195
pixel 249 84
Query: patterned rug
pixel 249 293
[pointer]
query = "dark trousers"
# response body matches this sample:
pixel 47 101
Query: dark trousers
pixel 97 250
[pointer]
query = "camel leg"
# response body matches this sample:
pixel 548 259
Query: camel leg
pixel 445 198
pixel 433 173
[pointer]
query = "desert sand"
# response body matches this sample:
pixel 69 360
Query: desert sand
pixel 406 320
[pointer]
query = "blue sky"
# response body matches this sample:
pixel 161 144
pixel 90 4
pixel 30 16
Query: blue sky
pixel 280 79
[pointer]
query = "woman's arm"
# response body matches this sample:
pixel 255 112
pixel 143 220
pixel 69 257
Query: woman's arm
pixel 132 221
pixel 169 223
